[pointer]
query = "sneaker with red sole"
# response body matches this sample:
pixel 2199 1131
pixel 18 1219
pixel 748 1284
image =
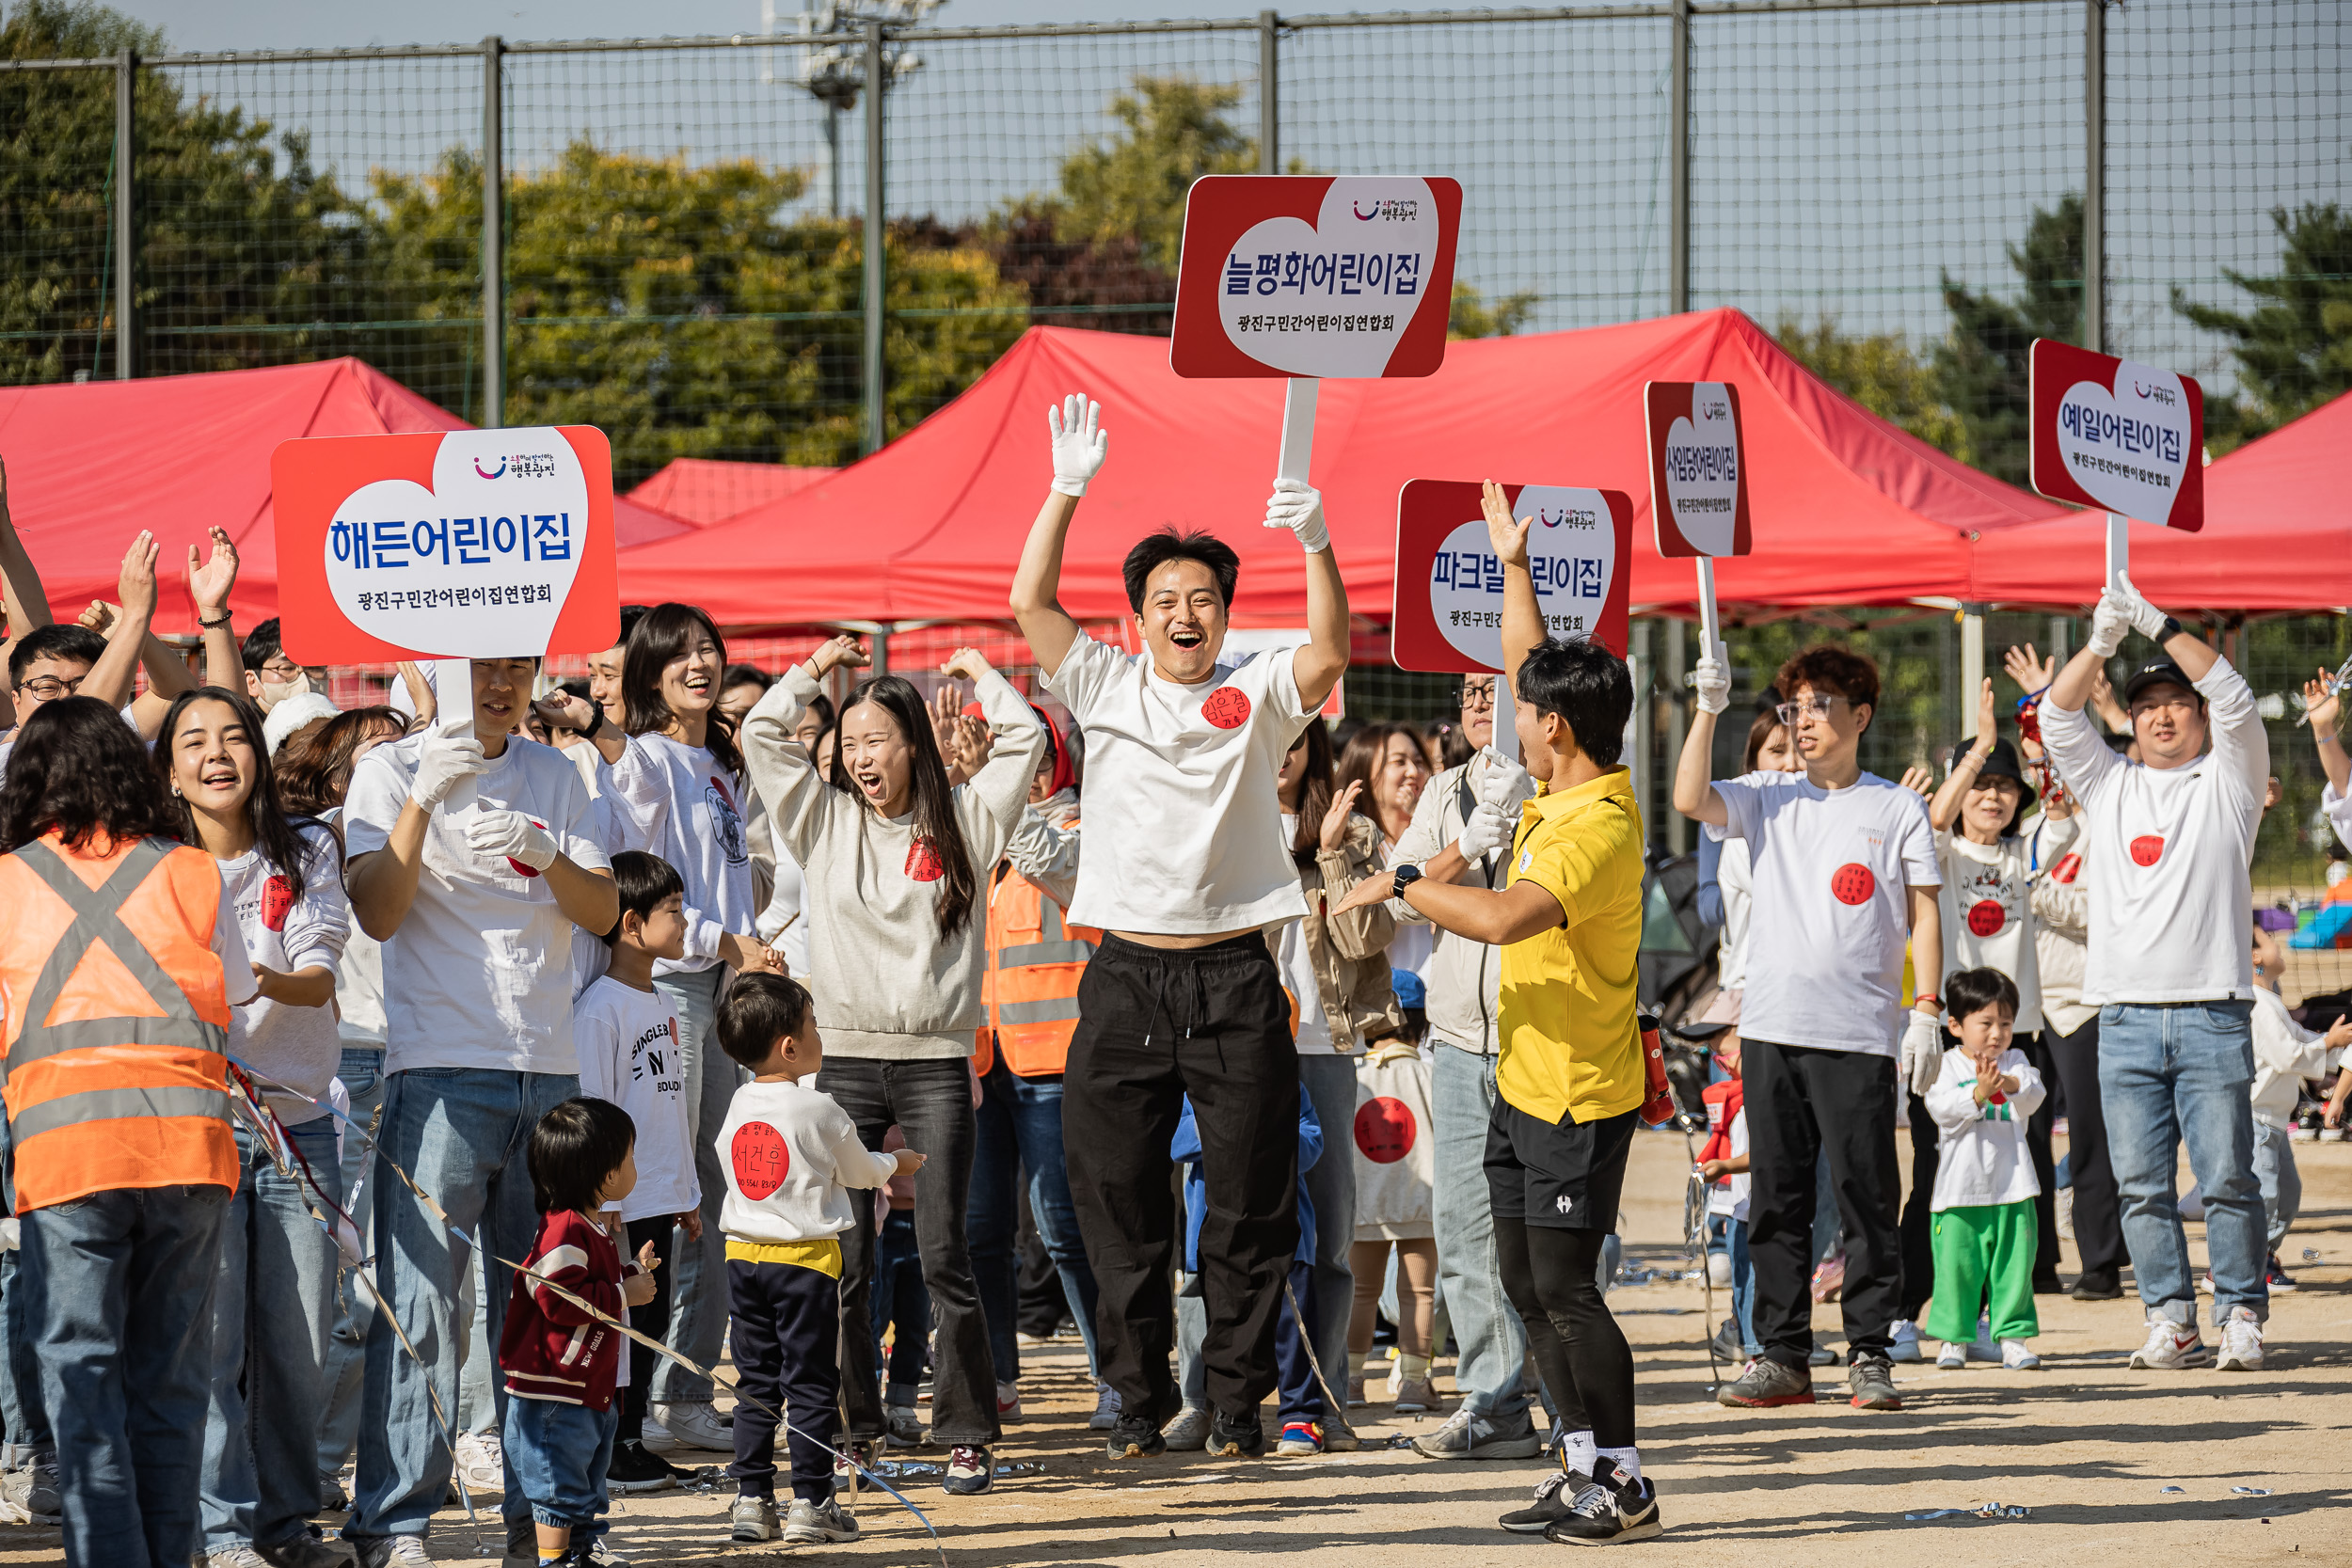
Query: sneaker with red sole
pixel 1767 1383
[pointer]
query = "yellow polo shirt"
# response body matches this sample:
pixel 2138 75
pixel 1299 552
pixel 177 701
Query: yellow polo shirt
pixel 1570 1045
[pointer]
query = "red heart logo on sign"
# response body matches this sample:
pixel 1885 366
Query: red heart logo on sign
pixel 2147 849
pixel 1227 708
pixel 1987 917
pixel 1852 883
pixel 761 1159
pixel 1384 1130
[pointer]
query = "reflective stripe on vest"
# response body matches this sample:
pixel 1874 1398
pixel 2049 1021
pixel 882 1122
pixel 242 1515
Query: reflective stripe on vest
pixel 112 1104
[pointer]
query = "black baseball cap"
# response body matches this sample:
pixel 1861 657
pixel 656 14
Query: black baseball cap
pixel 2154 671
pixel 2001 762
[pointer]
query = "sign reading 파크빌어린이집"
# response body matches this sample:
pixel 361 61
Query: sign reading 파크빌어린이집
pixel 465 543
pixel 1447 610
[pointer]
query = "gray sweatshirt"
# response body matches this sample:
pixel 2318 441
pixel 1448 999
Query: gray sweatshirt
pixel 887 985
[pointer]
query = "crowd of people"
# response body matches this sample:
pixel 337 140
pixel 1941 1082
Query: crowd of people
pixel 445 1089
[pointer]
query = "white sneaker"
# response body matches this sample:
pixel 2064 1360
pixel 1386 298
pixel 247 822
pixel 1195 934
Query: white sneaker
pixel 393 1551
pixel 2018 1356
pixel 1953 1357
pixel 695 1426
pixel 2241 1343
pixel 2171 1345
pixel 1905 1341
pixel 237 1554
pixel 481 1458
pixel 1008 1401
pixel 1105 1408
pixel 1719 1270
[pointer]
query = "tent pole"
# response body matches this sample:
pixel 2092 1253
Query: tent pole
pixel 1971 666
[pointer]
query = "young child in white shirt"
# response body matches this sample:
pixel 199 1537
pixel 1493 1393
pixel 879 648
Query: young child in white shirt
pixel 625 1033
pixel 2285 1054
pixel 1984 1179
pixel 791 1153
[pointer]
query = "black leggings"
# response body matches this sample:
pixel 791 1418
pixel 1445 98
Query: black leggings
pixel 651 1320
pixel 1551 1277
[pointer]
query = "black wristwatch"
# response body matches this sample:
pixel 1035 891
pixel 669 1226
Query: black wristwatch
pixel 594 723
pixel 2172 628
pixel 1405 876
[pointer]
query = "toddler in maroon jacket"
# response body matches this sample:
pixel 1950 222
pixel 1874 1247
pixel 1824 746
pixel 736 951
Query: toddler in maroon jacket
pixel 561 1360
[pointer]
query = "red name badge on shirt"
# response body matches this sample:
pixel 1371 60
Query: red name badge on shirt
pixel 761 1159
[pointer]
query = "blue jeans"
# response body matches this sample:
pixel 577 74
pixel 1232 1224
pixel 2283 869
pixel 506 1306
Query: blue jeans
pixel 464 1135
pixel 556 1457
pixel 899 1298
pixel 1491 1368
pixel 119 1286
pixel 23 1419
pixel 2174 1073
pixel 1743 1286
pixel 272 1313
pixel 1331 1183
pixel 1018 1128
pixel 2281 1183
pixel 362 1075
pixel 698 1289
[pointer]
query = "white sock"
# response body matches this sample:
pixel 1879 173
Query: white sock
pixel 1628 1460
pixel 1576 1451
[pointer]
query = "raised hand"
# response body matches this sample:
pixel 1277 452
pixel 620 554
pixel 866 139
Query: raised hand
pixel 2322 703
pixel 209 580
pixel 1080 442
pixel 966 664
pixel 837 653
pixel 1988 720
pixel 1298 506
pixel 1918 780
pixel 2030 671
pixel 1507 534
pixel 138 579
pixel 565 711
pixel 1333 834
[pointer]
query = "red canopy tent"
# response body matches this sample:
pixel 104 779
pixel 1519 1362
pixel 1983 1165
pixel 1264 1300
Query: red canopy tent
pixel 1849 509
pixel 2278 535
pixel 701 490
pixel 92 463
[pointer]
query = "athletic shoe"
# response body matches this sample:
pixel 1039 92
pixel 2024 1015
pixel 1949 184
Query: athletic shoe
pixel 1767 1383
pixel 305 1550
pixel 1718 1269
pixel 332 1497
pixel 482 1460
pixel 2048 1284
pixel 970 1471
pixel 1355 1390
pixel 1953 1357
pixel 1871 1378
pixel 1553 1493
pixel 1620 1508
pixel 2169 1346
pixel 633 1469
pixel 1416 1394
pixel 1105 1408
pixel 237 1555
pixel 2018 1356
pixel 1299 1440
pixel 1009 1401
pixel 2275 1275
pixel 753 1518
pixel 906 1427
pixel 1726 1342
pixel 862 1452
pixel 808 1523
pixel 2097 1287
pixel 599 1552
pixel 1905 1345
pixel 29 1493
pixel 1822 1356
pixel 1236 1437
pixel 1829 1278
pixel 1140 1437
pixel 1468 1435
pixel 1188 1434
pixel 391 1551
pixel 696 1425
pixel 2241 1343
pixel 1982 1348
pixel 1337 1436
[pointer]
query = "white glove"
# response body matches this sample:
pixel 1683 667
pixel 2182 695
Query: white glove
pixel 2147 619
pixel 451 755
pixel 1506 784
pixel 1711 678
pixel 1298 506
pixel 1923 1049
pixel 512 835
pixel 1487 829
pixel 1080 442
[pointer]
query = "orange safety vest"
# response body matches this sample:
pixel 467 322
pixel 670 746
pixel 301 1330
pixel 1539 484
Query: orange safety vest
pixel 1031 985
pixel 117 1019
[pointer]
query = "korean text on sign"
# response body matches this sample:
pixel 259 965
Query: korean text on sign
pixel 460 541
pixel 1396 275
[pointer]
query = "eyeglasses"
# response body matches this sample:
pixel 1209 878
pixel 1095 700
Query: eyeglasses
pixel 1478 694
pixel 283 669
pixel 49 688
pixel 1815 706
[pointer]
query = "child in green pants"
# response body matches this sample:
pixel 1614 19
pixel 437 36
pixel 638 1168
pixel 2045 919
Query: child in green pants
pixel 1984 1181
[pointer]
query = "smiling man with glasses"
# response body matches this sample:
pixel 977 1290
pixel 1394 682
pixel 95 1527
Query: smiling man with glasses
pixel 1845 872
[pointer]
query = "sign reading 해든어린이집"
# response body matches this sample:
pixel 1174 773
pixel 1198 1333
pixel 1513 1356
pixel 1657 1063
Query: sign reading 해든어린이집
pixel 1698 477
pixel 465 543
pixel 1315 275
pixel 2113 434
pixel 1446 613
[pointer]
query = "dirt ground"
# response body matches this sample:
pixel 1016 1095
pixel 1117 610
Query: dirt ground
pixel 2090 1448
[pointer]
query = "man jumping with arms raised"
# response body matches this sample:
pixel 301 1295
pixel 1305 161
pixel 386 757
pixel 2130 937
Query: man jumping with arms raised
pixel 1185 868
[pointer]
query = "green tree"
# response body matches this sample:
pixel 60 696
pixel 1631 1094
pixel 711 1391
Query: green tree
pixel 668 305
pixel 2294 349
pixel 1881 374
pixel 1133 184
pixel 1981 365
pixel 1470 315
pixel 248 243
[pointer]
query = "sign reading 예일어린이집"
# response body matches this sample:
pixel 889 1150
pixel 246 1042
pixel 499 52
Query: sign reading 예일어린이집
pixel 1447 610
pixel 465 543
pixel 1698 478
pixel 2113 434
pixel 1315 275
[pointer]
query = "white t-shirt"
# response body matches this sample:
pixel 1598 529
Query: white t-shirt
pixel 1299 977
pixel 1183 829
pixel 1738 882
pixel 2339 810
pixel 1831 918
pixel 480 973
pixel 791 1154
pixel 678 802
pixel 2170 851
pixel 1988 918
pixel 288 928
pixel 784 924
pixel 1731 1195
pixel 629 1054
pixel 1981 1156
pixel 360 981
